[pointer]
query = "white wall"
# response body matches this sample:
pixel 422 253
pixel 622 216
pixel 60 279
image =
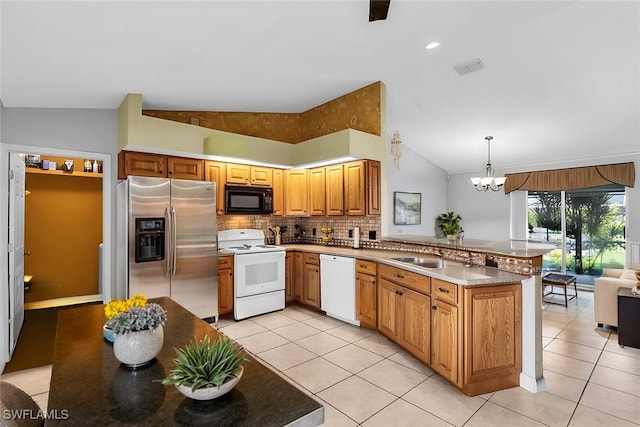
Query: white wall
pixel 70 131
pixel 415 175
pixel 486 215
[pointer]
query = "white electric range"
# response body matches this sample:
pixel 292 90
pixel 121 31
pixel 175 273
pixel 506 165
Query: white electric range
pixel 259 269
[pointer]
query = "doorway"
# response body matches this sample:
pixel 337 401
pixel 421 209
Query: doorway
pixel 102 221
pixel 63 229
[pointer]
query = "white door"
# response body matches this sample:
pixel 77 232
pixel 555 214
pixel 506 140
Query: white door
pixel 16 248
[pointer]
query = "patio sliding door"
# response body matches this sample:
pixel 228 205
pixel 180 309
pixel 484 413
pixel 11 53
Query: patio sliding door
pixel 587 225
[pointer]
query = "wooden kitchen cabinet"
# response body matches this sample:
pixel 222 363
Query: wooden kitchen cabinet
pixel 217 172
pixel 298 274
pixel 317 192
pixel 225 285
pixel 476 335
pixel 141 164
pixel 334 190
pixel 249 175
pixel 289 277
pixel 296 182
pixel 311 280
pixel 404 307
pixel 159 166
pixel 492 340
pixel 362 187
pixel 185 168
pixel 366 293
pixel 278 192
pixel 444 335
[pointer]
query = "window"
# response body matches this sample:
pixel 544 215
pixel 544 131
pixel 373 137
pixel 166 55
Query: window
pixel 588 225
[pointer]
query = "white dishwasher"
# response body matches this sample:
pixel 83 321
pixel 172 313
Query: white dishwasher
pixel 338 287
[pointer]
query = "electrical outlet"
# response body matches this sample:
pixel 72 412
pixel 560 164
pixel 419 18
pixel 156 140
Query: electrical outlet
pixel 372 235
pixel 490 262
pixel 313 231
pixel 350 233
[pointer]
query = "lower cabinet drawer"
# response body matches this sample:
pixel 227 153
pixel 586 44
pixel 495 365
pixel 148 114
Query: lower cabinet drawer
pixel 444 291
pixel 411 280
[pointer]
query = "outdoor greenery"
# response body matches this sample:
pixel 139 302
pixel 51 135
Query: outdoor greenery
pixel 595 225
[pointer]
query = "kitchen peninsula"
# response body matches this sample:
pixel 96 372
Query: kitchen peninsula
pixel 459 305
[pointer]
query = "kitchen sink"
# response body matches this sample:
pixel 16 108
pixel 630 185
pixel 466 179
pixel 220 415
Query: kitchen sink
pixel 422 262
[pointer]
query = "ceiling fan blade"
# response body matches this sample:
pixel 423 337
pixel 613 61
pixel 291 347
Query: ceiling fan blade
pixel 378 9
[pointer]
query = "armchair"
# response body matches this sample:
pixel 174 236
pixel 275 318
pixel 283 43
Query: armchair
pixel 605 297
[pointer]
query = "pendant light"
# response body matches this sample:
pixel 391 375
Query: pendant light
pixel 488 181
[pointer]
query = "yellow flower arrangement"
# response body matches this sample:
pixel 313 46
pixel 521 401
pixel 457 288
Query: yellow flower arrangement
pixel 117 306
pixel 133 314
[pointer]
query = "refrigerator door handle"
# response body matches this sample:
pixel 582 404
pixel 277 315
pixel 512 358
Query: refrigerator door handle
pixel 174 242
pixel 167 249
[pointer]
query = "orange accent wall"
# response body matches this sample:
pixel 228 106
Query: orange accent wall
pixel 63 228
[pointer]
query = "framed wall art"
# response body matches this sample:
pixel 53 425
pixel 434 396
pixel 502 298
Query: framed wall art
pixel 406 208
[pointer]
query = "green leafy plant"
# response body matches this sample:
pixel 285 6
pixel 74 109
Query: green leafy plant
pixel 203 363
pixel 449 223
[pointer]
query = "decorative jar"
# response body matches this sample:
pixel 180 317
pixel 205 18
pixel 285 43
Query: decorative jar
pixel 138 348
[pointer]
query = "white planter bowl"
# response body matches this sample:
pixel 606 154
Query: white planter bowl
pixel 210 392
pixel 138 348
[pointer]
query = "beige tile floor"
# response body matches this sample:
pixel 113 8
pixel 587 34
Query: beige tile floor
pixel 364 379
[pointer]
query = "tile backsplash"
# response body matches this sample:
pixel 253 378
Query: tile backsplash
pixel 340 225
pixel 340 237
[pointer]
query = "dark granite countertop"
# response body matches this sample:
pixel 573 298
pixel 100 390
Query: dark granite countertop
pixel 90 387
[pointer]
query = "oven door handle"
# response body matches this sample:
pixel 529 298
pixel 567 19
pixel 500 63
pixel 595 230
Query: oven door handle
pixel 167 241
pixel 174 242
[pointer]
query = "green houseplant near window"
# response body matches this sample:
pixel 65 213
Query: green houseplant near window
pixel 205 370
pixel 450 223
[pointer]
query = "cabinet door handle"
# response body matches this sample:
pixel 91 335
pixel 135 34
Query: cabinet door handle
pixel 433 307
pixel 443 290
pixel 400 276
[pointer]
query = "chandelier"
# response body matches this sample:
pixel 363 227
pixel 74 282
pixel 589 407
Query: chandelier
pixel 395 149
pixel 488 181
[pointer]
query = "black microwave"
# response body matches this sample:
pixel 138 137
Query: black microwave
pixel 240 199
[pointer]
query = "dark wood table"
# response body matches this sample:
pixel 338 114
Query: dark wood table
pixel 90 387
pixel 560 280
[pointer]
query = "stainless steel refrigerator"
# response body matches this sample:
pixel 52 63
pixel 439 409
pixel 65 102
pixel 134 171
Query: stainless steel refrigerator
pixel 167 242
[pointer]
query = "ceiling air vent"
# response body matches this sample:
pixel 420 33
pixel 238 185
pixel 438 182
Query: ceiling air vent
pixel 469 66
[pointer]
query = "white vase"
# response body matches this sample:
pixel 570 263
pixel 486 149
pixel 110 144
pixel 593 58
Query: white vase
pixel 452 237
pixel 209 393
pixel 135 349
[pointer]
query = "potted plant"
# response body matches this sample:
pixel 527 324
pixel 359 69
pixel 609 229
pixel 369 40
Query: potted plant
pixel 205 370
pixel 450 224
pixel 138 329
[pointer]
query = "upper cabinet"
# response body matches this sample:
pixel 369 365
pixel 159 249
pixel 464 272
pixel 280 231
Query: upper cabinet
pixel 334 188
pixel 249 175
pixel 362 187
pixel 342 189
pixel 278 192
pixel 317 192
pixel 159 166
pixel 296 183
pixel 217 172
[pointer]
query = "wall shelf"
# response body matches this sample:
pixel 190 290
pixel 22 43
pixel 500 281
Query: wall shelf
pixel 61 172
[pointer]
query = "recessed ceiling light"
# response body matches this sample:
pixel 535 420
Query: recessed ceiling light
pixel 432 45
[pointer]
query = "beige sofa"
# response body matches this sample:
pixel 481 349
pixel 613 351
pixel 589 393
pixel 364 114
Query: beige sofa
pixel 605 298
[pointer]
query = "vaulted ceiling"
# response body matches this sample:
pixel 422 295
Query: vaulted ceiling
pixel 561 79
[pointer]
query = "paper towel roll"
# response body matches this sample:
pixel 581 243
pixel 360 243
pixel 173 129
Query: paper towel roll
pixel 356 238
